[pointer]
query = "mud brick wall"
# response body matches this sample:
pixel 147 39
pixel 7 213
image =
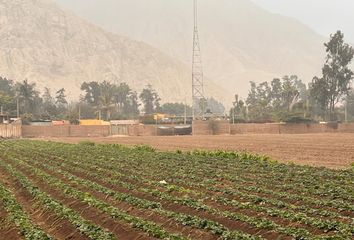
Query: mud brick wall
pixel 291 128
pixel 65 131
pixel 201 128
pixel 211 127
pixel 253 128
pixel 142 130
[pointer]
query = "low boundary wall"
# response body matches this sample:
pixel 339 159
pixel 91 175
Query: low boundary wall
pixel 198 128
pixel 213 127
pixel 10 131
pixel 292 128
pixel 65 131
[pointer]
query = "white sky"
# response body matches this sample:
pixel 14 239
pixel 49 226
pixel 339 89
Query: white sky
pixel 324 16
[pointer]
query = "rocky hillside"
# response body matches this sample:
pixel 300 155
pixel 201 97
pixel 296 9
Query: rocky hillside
pixel 52 47
pixel 240 40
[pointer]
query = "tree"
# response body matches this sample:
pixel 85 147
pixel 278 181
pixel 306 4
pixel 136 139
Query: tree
pixel 350 105
pixel 238 112
pixel 121 95
pixel 106 100
pixel 215 106
pixel 48 107
pixel 150 99
pixel 7 94
pixel 177 109
pixel 132 108
pixel 60 98
pixel 28 96
pixel 92 93
pixel 259 102
pixel 334 85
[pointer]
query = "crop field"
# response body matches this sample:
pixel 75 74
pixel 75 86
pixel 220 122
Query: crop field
pixel 51 190
pixel 332 150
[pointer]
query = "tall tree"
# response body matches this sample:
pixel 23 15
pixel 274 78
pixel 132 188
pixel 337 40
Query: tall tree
pixel 122 93
pixel 150 99
pixel 259 102
pixel 92 93
pixel 49 107
pixel 177 109
pixel 239 110
pixel 7 94
pixel 60 98
pixel 132 108
pixel 106 99
pixel 28 96
pixel 335 83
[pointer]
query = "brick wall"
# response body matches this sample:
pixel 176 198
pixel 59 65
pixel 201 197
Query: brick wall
pixel 65 131
pixel 211 127
pixel 142 130
pixel 291 128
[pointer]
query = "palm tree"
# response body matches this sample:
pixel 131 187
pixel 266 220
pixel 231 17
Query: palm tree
pixel 27 94
pixel 107 98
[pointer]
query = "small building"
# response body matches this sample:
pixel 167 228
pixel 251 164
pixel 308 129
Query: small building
pixel 60 123
pixel 124 122
pixel 93 122
pixel 41 123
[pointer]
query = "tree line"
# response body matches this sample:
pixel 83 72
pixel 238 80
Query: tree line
pixel 99 100
pixel 329 97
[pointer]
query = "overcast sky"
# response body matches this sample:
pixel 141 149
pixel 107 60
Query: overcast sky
pixel 324 16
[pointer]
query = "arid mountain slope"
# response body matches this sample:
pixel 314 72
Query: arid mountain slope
pixel 52 47
pixel 240 40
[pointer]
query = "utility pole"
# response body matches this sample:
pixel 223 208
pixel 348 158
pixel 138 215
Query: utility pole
pixel 197 70
pixel 79 111
pixel 346 111
pixel 18 108
pixel 233 115
pixel 185 112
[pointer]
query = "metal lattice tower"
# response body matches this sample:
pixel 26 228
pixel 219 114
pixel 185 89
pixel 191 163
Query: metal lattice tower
pixel 197 70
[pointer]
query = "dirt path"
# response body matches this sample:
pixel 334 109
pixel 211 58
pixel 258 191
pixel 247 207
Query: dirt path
pixel 322 150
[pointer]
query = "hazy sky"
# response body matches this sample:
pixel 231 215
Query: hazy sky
pixel 324 16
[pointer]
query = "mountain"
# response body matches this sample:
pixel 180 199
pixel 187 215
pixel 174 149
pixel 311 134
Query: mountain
pixel 240 40
pixel 52 47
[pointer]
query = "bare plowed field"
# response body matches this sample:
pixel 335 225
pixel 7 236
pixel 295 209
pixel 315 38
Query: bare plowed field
pixel 328 150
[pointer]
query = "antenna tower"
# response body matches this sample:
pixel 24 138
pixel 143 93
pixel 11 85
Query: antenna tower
pixel 197 71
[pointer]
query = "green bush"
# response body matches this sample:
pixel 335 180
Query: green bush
pixel 145 148
pixel 87 143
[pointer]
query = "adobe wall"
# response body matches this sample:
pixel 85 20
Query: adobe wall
pixel 201 128
pixel 142 130
pixel 211 127
pixel 291 128
pixel 10 131
pixel 89 131
pixel 251 128
pixel 65 131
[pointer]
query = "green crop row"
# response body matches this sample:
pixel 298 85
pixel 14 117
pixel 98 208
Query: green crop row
pixel 16 214
pixel 322 224
pixel 184 219
pixel 326 225
pixel 84 226
pixel 237 190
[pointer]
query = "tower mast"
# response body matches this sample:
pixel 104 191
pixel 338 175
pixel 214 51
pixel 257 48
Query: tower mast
pixel 197 71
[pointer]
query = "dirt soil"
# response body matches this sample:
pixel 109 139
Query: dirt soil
pixel 321 150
